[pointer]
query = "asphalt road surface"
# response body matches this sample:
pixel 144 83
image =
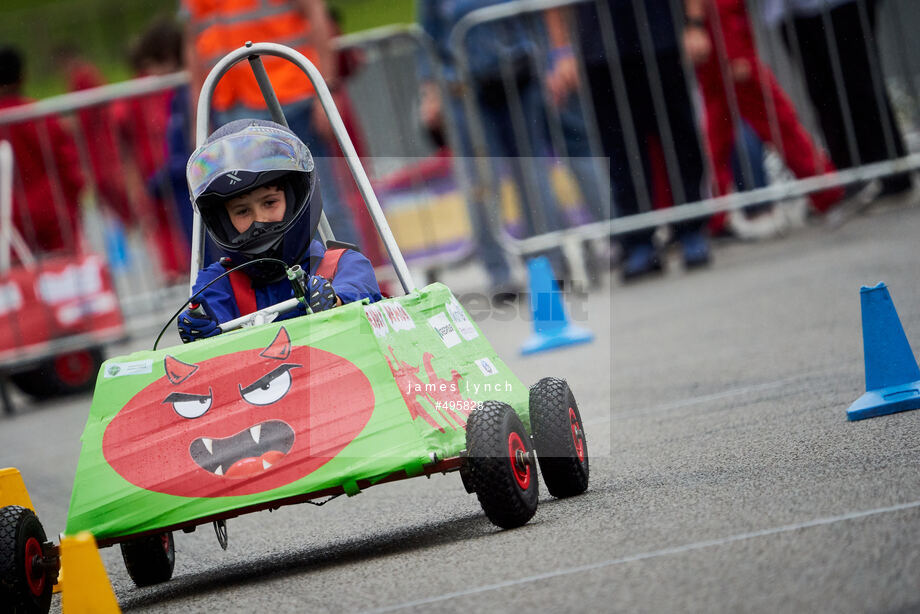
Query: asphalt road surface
pixel 724 474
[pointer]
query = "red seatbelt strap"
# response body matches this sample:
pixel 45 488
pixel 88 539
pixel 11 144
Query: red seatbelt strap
pixel 242 286
pixel 243 293
pixel 330 263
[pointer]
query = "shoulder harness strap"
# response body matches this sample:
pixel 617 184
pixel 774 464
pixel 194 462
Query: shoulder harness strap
pixel 242 289
pixel 242 286
pixel 330 263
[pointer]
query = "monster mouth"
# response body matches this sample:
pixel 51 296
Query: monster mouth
pixel 248 453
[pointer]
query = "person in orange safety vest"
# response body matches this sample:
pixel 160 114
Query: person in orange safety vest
pixel 217 27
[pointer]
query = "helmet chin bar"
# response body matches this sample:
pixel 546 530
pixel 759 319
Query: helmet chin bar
pixel 253 233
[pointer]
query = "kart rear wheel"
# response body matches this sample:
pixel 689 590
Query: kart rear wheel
pixel 559 436
pixel 150 560
pixel 500 464
pixel 24 584
pixel 62 375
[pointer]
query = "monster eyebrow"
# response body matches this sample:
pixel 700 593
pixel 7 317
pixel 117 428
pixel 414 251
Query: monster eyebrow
pixel 185 396
pixel 266 379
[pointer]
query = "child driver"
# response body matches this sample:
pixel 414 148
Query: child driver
pixel 253 183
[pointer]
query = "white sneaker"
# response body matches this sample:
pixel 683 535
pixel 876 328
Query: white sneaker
pixel 766 225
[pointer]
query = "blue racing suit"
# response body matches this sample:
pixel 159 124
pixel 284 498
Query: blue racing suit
pixel 354 280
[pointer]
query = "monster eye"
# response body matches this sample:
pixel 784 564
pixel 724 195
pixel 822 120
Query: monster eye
pixel 270 387
pixel 190 406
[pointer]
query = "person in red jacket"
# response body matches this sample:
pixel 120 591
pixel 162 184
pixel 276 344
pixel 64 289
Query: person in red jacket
pixel 99 133
pixel 47 179
pixel 142 123
pixel 733 67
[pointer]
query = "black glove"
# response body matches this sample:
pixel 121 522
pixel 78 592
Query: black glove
pixel 197 322
pixel 320 295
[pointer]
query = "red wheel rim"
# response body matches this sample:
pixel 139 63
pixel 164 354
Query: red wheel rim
pixel 165 538
pixel 517 453
pixel 36 581
pixel 75 368
pixel 577 437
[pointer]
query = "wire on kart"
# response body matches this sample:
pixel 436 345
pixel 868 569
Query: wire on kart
pixel 192 298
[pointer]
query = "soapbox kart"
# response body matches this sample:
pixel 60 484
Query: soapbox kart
pixel 304 409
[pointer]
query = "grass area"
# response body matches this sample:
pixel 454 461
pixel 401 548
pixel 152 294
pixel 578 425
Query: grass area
pixel 360 15
pixel 104 29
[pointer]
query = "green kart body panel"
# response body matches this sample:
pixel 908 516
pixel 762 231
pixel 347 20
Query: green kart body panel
pixel 262 414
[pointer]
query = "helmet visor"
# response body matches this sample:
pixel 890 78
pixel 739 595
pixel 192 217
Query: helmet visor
pixel 258 149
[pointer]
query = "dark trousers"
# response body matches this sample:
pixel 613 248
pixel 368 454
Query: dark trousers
pixel 870 110
pixel 679 117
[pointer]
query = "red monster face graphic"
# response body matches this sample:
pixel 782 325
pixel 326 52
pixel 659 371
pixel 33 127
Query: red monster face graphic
pixel 239 424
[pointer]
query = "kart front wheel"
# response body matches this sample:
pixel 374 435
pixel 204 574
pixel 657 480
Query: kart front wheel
pixel 150 560
pixel 500 465
pixel 25 585
pixel 559 436
pixel 64 374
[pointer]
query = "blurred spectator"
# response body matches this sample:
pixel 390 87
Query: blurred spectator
pixel 154 143
pixel 214 29
pixel 169 180
pixel 488 48
pixel 629 40
pixel 828 33
pixel 734 83
pixel 97 132
pixel 79 72
pixel 47 178
pixel 580 160
pixel 749 172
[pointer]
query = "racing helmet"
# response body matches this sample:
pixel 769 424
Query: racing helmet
pixel 239 157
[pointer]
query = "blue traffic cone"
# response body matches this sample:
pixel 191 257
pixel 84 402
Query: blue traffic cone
pixel 892 375
pixel 550 321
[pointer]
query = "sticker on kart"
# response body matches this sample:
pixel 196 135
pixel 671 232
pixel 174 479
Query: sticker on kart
pixel 239 424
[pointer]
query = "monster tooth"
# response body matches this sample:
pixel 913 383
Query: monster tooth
pixel 256 432
pixel 208 444
pixel 219 470
pixel 265 464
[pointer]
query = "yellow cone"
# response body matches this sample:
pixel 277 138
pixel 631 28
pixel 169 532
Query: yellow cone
pixel 88 587
pixel 13 489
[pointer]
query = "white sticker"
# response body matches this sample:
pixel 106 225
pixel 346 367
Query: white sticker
pixel 378 322
pixel 441 325
pixel 397 316
pixel 74 281
pixel 485 365
pixel 10 298
pixel 462 322
pixel 138 367
pixel 70 313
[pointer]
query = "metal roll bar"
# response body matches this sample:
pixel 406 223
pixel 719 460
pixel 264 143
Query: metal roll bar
pixel 252 52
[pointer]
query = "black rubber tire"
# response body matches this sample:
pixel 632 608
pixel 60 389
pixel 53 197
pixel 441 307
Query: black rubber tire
pixel 559 436
pixel 34 383
pixel 507 498
pixel 23 588
pixel 66 374
pixel 150 560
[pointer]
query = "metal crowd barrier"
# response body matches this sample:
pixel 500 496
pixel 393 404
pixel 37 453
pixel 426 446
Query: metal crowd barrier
pixel 425 193
pixel 128 233
pixel 422 191
pixel 895 69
